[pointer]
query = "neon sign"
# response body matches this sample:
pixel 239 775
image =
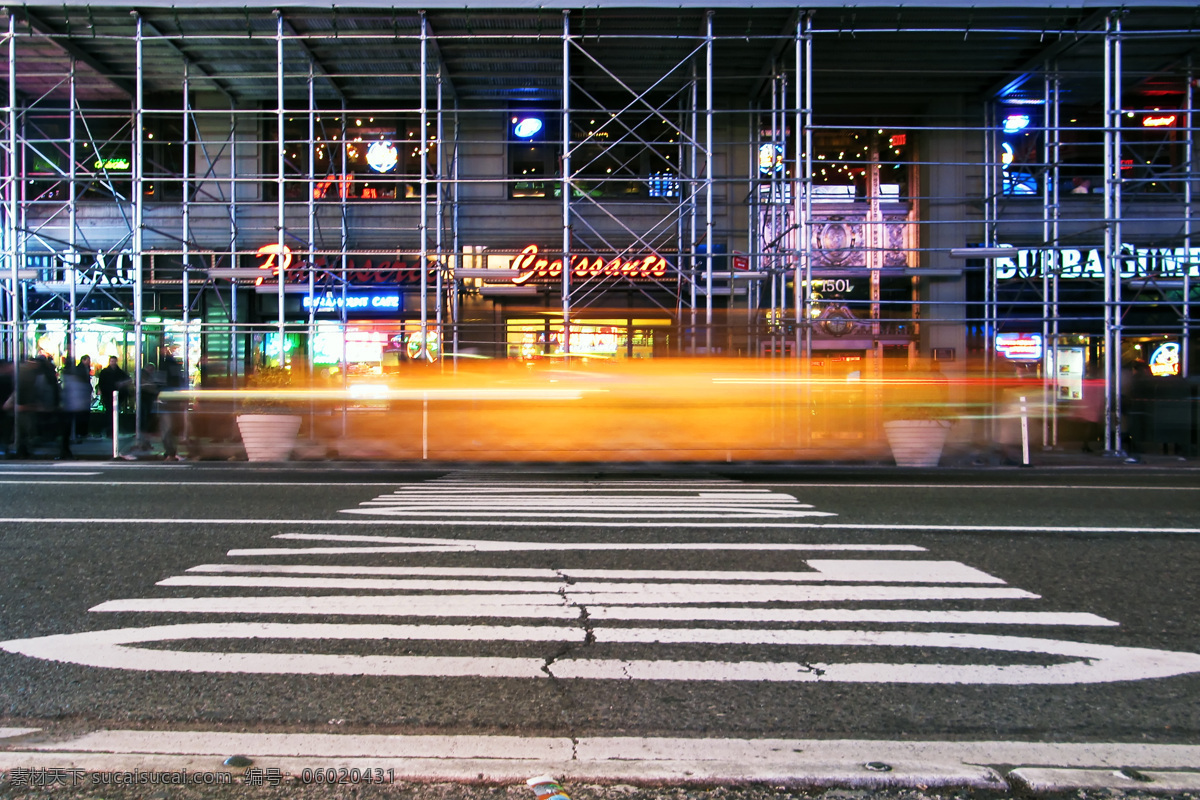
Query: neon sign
pixel 1088 264
pixel 526 127
pixel 1019 346
pixel 371 270
pixel 531 266
pixel 1016 122
pixel 271 251
pixel 431 342
pixel 1159 121
pixel 1164 361
pixel 353 302
pixel 112 163
pixel 382 156
pixel 770 158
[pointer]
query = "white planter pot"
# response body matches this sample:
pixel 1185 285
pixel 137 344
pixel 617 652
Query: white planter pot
pixel 917 442
pixel 269 437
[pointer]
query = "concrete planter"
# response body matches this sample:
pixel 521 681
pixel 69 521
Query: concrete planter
pixel 269 437
pixel 917 442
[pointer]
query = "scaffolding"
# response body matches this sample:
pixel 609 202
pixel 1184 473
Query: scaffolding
pixel 723 150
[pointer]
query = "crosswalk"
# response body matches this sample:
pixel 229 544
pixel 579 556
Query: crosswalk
pixel 624 502
pixel 914 613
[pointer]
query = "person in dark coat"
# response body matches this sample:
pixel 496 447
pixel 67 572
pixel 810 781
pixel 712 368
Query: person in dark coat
pixel 75 397
pixel 48 396
pixel 83 417
pixel 148 405
pixel 170 411
pixel 112 379
pixel 7 377
pixel 28 407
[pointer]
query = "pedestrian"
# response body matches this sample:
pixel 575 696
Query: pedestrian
pixel 6 418
pixel 170 410
pixel 1134 386
pixel 75 397
pixel 48 397
pixel 112 379
pixel 25 408
pixel 147 412
pixel 83 418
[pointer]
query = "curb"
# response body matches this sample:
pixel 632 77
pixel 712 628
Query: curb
pixel 1006 767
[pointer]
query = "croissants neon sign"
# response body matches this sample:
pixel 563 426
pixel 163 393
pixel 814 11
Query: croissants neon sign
pixel 532 265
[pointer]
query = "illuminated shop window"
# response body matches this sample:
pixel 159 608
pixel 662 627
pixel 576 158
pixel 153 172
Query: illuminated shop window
pixel 1152 156
pixel 356 155
pixel 842 161
pixel 104 155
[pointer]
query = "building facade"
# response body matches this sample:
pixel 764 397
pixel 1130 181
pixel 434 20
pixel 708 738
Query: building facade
pixel 853 190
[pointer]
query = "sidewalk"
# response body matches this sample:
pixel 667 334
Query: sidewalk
pixel 1068 455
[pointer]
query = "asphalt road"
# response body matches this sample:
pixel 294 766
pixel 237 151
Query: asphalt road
pixel 588 603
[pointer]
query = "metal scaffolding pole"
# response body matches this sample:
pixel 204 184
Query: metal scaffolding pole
pixel 774 184
pixel 1050 220
pixel 693 188
pixel 566 181
pixel 186 237
pixel 70 268
pixel 781 212
pixel 280 201
pixel 234 352
pixel 1055 254
pixel 423 224
pixel 1112 176
pixel 993 185
pixel 137 199
pixel 1189 160
pixel 343 312
pixel 11 232
pixel 708 182
pixel 803 190
pixel 439 183
pixel 1117 263
pixel 310 207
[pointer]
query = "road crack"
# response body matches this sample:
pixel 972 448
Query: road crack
pixel 815 670
pixel 584 621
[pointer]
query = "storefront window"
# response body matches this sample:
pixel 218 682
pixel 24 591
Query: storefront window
pixel 357 156
pixel 372 349
pixel 633 155
pixel 842 161
pixel 534 141
pixel 104 152
pixel 1152 150
pixel 538 339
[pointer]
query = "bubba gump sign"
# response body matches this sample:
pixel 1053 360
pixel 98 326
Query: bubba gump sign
pixel 531 265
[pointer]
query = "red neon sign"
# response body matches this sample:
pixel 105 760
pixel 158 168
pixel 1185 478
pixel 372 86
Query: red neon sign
pixel 530 266
pixel 368 271
pixel 1159 121
pixel 271 251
